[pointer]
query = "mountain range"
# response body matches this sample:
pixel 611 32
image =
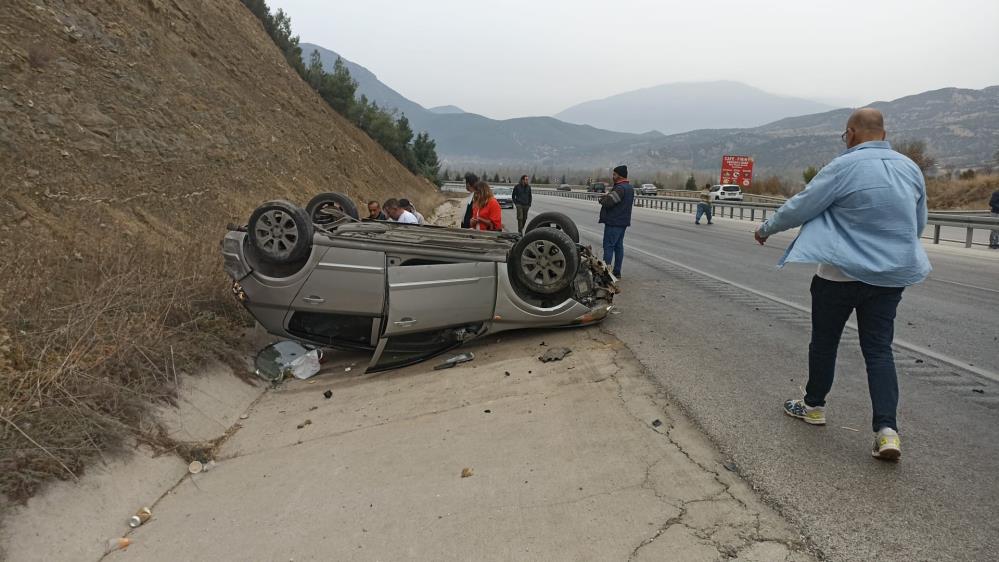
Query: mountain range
pixel 960 127
pixel 686 106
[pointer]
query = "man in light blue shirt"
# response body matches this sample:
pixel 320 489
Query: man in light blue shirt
pixel 861 218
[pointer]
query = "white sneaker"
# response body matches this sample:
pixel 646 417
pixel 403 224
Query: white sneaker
pixel 887 445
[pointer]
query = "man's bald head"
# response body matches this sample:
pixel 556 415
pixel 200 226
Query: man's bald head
pixel 865 124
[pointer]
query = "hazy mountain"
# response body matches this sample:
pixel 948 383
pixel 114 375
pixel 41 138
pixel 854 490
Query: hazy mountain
pixel 447 109
pixel 470 139
pixel 367 83
pixel 686 106
pixel 959 126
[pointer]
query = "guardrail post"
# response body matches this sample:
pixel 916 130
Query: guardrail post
pixel 752 214
pixel 968 237
pixel 936 234
pixel 741 215
pixel 764 215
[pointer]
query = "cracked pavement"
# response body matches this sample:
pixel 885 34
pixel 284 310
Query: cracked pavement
pixel 566 464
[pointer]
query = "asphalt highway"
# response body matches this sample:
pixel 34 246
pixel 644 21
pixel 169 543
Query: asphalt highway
pixel 726 334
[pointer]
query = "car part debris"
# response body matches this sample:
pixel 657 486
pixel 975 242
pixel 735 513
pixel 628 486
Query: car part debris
pixel 328 394
pixel 279 360
pixel 452 361
pixel 656 423
pixel 466 472
pixel 555 354
pixel 140 517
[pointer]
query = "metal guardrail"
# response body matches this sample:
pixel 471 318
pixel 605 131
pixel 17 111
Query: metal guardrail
pixel 759 211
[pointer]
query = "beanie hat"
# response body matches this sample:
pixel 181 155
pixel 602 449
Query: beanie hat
pixel 621 170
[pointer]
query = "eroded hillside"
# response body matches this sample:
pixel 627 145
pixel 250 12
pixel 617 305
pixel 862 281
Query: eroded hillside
pixel 131 132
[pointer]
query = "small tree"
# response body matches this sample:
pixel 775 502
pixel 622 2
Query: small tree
pixel 691 183
pixel 968 174
pixel 916 151
pixel 809 173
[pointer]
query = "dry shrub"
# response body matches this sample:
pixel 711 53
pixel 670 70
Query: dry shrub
pixel 79 377
pixel 966 194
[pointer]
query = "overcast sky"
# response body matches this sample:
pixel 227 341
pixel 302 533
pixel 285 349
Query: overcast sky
pixel 513 58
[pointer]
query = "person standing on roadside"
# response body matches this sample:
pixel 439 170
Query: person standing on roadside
pixel 615 214
pixel 522 201
pixel 704 207
pixel 861 218
pixel 470 181
pixel 994 207
pixel 486 212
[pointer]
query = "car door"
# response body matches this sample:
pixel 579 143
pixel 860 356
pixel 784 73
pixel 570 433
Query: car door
pixel 342 303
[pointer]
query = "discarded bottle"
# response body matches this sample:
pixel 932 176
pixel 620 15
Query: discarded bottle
pixel 116 544
pixel 140 517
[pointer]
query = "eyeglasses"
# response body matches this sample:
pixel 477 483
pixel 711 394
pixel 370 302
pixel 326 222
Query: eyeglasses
pixel 843 136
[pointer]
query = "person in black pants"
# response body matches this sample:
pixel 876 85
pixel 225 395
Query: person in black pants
pixel 470 181
pixel 522 201
pixel 994 206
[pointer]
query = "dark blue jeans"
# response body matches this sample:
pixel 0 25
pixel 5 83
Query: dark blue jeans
pixel 614 246
pixel 703 209
pixel 832 304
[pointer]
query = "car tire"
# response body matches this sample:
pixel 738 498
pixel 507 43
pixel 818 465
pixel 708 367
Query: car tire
pixel 327 208
pixel 558 221
pixel 280 232
pixel 544 261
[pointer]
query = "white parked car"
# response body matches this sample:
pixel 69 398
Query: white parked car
pixel 504 196
pixel 648 189
pixel 726 192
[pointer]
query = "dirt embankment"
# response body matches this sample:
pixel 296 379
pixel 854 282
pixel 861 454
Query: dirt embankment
pixel 131 132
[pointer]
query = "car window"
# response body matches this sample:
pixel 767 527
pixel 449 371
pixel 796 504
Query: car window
pixel 731 188
pixel 333 329
pixel 715 187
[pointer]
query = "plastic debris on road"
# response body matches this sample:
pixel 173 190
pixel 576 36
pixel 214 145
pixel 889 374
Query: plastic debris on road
pixel 116 544
pixel 278 360
pixel 452 361
pixel 555 354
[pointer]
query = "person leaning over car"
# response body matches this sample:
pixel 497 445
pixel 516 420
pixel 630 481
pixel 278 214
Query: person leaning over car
pixel 375 212
pixel 994 208
pixel 405 204
pixel 398 214
pixel 522 201
pixel 486 212
pixel 470 181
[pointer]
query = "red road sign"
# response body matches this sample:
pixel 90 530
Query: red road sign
pixel 737 170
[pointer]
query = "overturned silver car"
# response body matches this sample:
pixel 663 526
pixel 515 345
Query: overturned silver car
pixel 406 292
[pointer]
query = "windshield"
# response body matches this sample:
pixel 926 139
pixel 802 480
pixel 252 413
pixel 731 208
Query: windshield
pixel 503 191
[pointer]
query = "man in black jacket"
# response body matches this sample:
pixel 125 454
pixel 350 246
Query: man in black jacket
pixel 522 201
pixel 615 214
pixel 994 206
pixel 470 181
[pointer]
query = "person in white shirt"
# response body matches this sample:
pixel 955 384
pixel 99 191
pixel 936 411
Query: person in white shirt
pixel 397 213
pixel 405 204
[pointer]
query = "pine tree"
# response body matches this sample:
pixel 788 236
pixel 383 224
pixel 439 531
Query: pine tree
pixel 691 183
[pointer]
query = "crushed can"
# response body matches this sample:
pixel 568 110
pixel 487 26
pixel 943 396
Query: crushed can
pixel 140 517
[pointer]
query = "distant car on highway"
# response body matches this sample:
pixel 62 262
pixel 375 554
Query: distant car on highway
pixel 564 187
pixel 648 189
pixel 504 196
pixel 725 192
pixel 597 187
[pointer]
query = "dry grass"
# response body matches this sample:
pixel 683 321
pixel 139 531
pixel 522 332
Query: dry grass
pixel 967 194
pixel 78 377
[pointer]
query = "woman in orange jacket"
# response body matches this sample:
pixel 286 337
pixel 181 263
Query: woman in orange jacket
pixel 486 212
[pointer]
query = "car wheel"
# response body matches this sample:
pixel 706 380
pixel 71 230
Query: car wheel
pixel 280 232
pixel 544 261
pixel 327 208
pixel 558 221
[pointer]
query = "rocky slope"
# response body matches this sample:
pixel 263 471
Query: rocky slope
pixel 131 132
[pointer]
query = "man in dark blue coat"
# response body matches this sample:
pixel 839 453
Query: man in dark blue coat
pixel 615 215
